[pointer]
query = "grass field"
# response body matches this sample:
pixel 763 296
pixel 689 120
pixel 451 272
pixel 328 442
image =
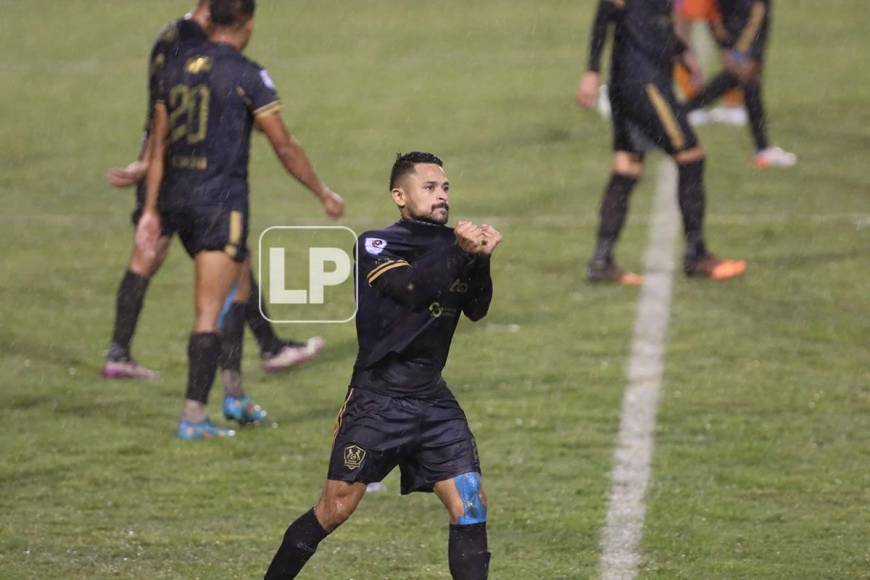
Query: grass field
pixel 763 441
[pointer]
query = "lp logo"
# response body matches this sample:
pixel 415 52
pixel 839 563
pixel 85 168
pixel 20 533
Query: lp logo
pixel 310 274
pixel 318 277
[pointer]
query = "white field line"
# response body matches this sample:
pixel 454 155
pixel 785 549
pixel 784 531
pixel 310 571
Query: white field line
pixel 620 541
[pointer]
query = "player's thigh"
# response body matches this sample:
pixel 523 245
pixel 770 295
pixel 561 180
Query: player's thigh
pixel 214 229
pixel 215 274
pixel 370 432
pixel 656 112
pixel 446 448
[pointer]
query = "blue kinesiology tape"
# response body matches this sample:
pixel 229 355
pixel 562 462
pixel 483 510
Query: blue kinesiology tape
pixel 229 302
pixel 474 510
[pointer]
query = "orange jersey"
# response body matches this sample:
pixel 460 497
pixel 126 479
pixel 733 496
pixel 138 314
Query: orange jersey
pixel 706 10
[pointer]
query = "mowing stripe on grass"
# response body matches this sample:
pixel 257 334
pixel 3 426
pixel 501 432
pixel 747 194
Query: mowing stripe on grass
pixel 631 470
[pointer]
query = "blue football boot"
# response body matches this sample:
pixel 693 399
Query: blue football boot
pixel 190 431
pixel 243 410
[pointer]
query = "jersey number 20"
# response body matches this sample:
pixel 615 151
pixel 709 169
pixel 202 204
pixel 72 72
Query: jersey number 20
pixel 188 115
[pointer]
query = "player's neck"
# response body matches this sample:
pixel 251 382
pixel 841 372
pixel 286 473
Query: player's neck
pixel 230 38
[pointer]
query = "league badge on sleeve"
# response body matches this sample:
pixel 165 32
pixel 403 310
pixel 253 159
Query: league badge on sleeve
pixel 267 80
pixel 375 246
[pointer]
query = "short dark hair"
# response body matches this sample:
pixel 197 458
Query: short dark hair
pixel 405 163
pixel 231 13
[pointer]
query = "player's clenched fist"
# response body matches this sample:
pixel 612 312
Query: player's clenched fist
pixel 491 238
pixel 333 204
pixel 469 236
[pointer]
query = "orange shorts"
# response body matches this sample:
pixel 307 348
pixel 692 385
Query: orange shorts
pixel 706 10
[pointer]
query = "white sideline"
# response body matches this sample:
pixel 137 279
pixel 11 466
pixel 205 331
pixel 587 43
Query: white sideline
pixel 623 529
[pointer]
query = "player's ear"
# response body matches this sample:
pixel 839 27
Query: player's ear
pixel 399 198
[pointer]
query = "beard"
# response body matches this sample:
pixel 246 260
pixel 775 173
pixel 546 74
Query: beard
pixel 438 214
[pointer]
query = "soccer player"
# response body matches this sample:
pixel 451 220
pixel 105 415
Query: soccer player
pixel 276 355
pixel 742 35
pixel 415 279
pixel 686 14
pixel 208 100
pixel 645 110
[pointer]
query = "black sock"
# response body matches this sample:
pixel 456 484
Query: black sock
pixel 128 305
pixel 467 552
pixel 203 351
pixel 614 209
pixel 232 332
pixel 690 191
pixel 718 86
pixel 757 117
pixel 262 328
pixel 299 544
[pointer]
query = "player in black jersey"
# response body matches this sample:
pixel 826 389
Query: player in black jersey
pixel 742 34
pixel 645 112
pixel 208 100
pixel 276 355
pixel 415 279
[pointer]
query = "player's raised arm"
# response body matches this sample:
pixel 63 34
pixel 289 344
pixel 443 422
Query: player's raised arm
pixel 292 156
pixel 479 295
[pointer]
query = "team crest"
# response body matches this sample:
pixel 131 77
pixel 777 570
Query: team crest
pixel 375 246
pixel 354 456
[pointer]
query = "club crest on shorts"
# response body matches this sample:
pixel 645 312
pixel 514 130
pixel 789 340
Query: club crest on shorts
pixel 354 455
pixel 375 245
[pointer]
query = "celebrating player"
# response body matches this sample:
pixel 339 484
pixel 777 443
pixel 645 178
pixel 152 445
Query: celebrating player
pixel 276 354
pixel 208 100
pixel 645 110
pixel 742 35
pixel 416 277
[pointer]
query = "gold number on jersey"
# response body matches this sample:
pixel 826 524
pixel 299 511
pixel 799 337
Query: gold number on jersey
pixel 188 115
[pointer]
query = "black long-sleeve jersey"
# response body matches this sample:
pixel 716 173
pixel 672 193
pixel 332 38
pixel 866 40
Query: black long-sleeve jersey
pixel 212 94
pixel 645 43
pixel 414 281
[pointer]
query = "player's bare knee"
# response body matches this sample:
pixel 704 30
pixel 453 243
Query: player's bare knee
pixel 691 155
pixel 628 164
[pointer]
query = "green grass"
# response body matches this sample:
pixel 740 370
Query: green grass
pixel 762 444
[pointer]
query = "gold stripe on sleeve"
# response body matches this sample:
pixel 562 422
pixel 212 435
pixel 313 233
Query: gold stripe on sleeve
pixel 386 267
pixel 272 107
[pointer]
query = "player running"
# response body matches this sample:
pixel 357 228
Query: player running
pixel 415 278
pixel 207 101
pixel 742 35
pixel 646 113
pixel 276 355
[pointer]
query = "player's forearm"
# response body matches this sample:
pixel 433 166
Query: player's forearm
pixel 479 290
pixel 421 283
pixel 296 162
pixel 153 179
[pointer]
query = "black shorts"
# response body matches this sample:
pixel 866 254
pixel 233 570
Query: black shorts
pixel 748 35
pixel 647 115
pixel 209 228
pixel 429 439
